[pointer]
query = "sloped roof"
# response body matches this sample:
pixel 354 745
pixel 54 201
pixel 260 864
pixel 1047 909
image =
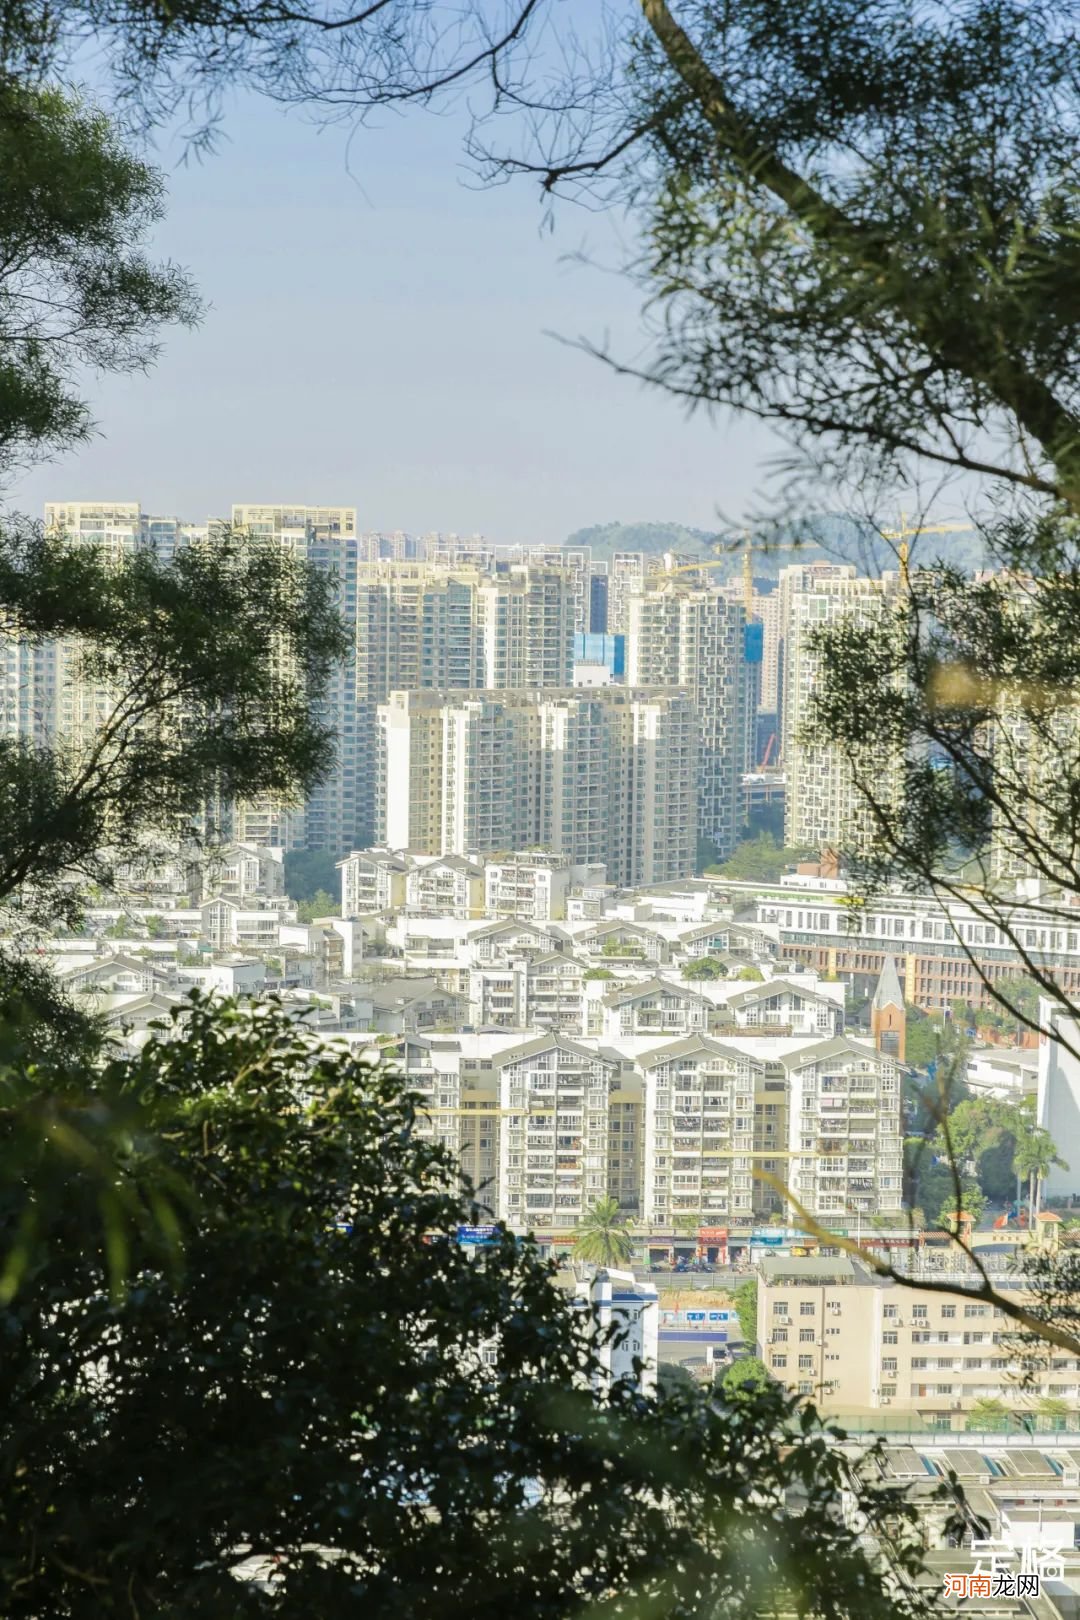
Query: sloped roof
pixel 775 987
pixel 888 992
pixel 838 1046
pixel 672 1050
pixel 649 987
pixel 545 1043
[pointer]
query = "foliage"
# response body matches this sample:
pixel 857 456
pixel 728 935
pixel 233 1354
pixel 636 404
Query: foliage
pixel 988 1413
pixel 209 667
pixel 744 1377
pixel 603 1237
pixel 309 872
pixel 597 973
pixel 752 974
pixel 371 1413
pixel 745 1298
pixel 77 293
pixel 321 904
pixel 705 967
pixel 760 859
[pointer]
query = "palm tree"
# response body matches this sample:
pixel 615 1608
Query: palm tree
pixel 1034 1157
pixel 603 1237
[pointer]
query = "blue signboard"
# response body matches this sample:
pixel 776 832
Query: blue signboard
pixel 695 1316
pixel 477 1237
pixel 772 1240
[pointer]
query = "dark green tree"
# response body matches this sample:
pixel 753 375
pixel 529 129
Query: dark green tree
pixel 307 871
pixel 746 1305
pixel 77 291
pixel 743 1379
pixel 321 904
pixel 308 1399
pixel 209 671
pixel 704 967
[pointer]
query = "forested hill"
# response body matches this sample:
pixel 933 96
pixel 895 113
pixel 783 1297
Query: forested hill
pixel 839 539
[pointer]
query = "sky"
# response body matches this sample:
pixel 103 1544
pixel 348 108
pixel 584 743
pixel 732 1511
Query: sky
pixel 378 334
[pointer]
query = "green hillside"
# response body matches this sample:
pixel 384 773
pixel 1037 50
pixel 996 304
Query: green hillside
pixel 835 539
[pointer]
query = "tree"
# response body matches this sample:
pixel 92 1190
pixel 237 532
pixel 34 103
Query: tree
pixel 1053 1412
pixel 745 1297
pixel 742 1378
pixel 77 292
pixel 320 905
pixel 602 1238
pixel 309 872
pixel 208 670
pixel 598 973
pixel 1034 1157
pixel 301 1366
pixel 760 859
pixel 988 1413
pixel 704 967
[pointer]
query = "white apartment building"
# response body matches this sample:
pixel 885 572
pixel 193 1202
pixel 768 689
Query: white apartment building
pixel 604 777
pixel 535 884
pixel 555 1098
pixel 446 886
pixel 680 634
pixel 372 880
pixel 453 622
pixel 699 1132
pixel 626 578
pixel 844 1128
pixel 822 807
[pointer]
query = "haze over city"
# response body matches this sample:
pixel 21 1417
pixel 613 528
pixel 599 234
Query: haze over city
pixel 379 332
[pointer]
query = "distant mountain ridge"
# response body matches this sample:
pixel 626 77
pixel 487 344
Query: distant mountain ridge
pixel 833 539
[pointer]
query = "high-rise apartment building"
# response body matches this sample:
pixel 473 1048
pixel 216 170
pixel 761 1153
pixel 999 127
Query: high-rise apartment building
pixel 449 627
pixel 323 537
pixel 601 775
pixel 823 807
pixel 683 635
pixel 625 579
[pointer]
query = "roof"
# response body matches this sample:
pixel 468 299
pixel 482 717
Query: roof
pixel 838 1046
pixel 806 1268
pixel 456 863
pixel 775 987
pixel 547 1043
pixel 509 925
pixel 649 987
pixel 888 992
pixel 672 1050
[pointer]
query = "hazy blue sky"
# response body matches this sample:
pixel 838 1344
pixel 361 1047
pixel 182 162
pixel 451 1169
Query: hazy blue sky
pixel 376 336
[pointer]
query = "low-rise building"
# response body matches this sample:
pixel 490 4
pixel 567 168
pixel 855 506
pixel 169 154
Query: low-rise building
pixel 861 1344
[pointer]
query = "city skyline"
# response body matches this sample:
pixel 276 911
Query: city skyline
pixel 490 426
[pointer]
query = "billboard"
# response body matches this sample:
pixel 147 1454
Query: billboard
pixel 477 1237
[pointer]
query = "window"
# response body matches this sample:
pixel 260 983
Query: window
pixel 948 1312
pixel 919 1313
pixel 779 1362
pixel 891 1312
pixel 806 1307
pixel 888 1391
pixel 779 1307
pixel 806 1335
pixel 890 1338
pixel 806 1363
pixel 974 1310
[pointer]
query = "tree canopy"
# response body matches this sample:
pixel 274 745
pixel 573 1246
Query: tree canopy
pixel 77 290
pixel 273 1383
